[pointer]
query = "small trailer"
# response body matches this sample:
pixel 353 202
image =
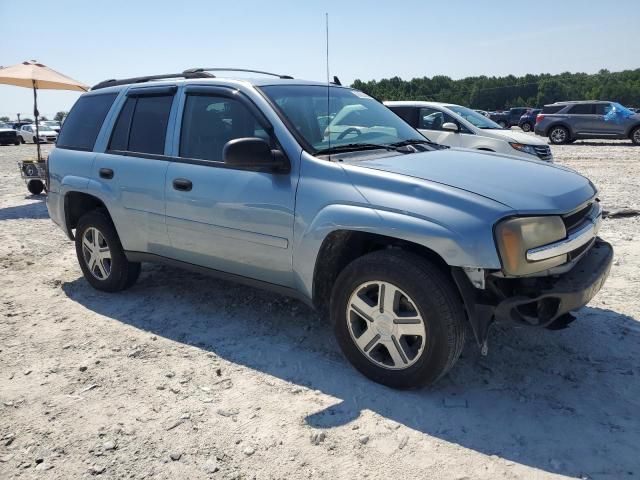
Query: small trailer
pixel 34 174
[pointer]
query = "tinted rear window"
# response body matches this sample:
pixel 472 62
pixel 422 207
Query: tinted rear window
pixel 581 109
pixel 142 125
pixel 552 108
pixel 85 119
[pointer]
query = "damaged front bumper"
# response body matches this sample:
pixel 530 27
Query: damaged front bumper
pixel 539 301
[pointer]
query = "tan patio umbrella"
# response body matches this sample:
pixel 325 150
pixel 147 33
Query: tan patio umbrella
pixel 38 76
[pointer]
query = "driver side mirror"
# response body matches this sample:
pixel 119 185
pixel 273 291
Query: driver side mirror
pixel 450 127
pixel 254 153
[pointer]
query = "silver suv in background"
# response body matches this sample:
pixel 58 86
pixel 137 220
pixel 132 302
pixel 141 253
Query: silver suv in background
pixel 565 122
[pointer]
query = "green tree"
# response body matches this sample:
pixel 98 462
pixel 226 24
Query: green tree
pixel 4 119
pixel 58 117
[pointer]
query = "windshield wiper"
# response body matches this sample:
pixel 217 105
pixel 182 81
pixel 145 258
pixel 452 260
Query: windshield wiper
pixel 398 145
pixel 413 141
pixel 354 147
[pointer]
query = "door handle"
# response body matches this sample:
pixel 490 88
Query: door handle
pixel 106 173
pixel 182 184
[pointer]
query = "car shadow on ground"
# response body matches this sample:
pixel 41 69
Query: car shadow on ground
pixel 595 143
pixel 36 210
pixel 563 402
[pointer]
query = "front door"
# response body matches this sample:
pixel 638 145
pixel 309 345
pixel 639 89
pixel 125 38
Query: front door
pixel 430 123
pixel 232 220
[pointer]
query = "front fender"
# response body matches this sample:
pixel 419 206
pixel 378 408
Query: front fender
pixel 455 249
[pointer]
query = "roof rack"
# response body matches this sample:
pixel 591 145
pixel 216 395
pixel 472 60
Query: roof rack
pixel 189 73
pixel 204 70
pixel 125 81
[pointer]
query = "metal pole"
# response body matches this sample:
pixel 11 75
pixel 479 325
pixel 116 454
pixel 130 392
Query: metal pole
pixel 35 113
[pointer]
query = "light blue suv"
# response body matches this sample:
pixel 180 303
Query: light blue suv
pixel 320 192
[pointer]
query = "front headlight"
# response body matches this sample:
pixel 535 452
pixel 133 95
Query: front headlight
pixel 515 236
pixel 521 147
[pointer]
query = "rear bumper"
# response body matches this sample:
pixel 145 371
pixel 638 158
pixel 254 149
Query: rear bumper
pixel 541 303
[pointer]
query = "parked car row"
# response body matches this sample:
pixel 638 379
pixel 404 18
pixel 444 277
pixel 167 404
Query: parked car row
pixel 321 192
pixel 26 133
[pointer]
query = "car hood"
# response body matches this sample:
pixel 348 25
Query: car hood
pixel 513 136
pixel 526 186
pixel 2 129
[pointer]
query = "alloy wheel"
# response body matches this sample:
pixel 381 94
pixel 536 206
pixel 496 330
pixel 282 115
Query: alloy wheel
pixel 96 253
pixel 386 325
pixel 558 135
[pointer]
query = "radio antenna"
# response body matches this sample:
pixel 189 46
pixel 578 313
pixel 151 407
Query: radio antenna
pixel 326 22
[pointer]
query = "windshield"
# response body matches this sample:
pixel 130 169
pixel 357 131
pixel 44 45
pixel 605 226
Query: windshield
pixel 474 118
pixel 50 123
pixel 350 117
pixel 4 125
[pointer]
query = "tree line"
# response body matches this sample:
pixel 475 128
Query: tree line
pixel 498 93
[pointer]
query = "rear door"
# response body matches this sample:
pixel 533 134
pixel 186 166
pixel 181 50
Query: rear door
pixel 583 119
pixel 232 220
pixel 132 170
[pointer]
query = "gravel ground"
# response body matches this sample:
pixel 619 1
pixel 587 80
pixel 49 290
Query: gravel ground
pixel 184 376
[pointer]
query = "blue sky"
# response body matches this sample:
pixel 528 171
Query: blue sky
pixel 368 40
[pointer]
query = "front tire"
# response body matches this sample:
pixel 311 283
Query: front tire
pixel 559 135
pixel 526 127
pixel 502 123
pixel 398 318
pixel 635 136
pixel 101 256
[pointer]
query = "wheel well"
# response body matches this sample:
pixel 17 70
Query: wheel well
pixel 558 124
pixel 632 129
pixel 342 247
pixel 76 204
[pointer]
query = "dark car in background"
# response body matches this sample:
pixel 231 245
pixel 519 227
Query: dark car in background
pixel 528 120
pixel 8 135
pixel 510 118
pixel 565 122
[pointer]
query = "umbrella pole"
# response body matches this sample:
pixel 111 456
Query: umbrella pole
pixel 35 113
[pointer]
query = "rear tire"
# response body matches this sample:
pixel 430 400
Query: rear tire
pixel 17 142
pixel 559 135
pixel 635 136
pixel 101 256
pixel 35 187
pixel 526 127
pixel 421 322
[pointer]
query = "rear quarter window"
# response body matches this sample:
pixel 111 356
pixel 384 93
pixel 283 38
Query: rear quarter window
pixel 550 109
pixel 85 119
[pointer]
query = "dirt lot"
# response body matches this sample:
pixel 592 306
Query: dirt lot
pixel 188 377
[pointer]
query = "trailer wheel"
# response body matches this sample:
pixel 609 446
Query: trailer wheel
pixel 35 187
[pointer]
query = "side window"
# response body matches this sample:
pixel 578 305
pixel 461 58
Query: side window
pixel 142 125
pixel 432 119
pixel 408 114
pixel 603 108
pixel 210 121
pixel 581 109
pixel 84 121
pixel 551 109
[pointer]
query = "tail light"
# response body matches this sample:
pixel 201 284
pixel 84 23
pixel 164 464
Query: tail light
pixel 539 118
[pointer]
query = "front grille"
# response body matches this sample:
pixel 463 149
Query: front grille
pixel 51 138
pixel 574 220
pixel 543 152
